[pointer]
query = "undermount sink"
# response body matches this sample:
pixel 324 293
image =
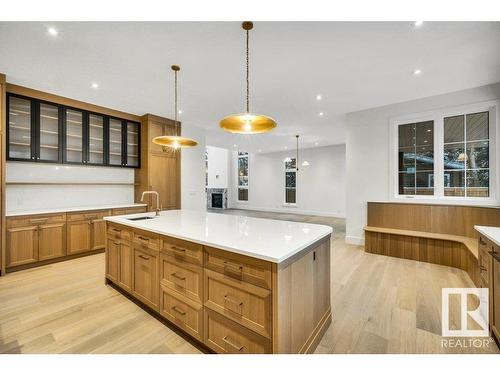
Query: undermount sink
pixel 141 218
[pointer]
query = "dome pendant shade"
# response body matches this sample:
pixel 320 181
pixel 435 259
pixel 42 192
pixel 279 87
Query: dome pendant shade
pixel 247 123
pixel 174 141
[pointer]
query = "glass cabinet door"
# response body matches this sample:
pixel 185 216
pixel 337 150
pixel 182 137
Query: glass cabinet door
pixel 132 144
pixel 115 142
pixel 74 136
pixel 96 139
pixel 49 132
pixel 20 128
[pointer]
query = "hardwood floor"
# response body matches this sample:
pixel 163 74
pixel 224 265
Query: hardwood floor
pixel 380 305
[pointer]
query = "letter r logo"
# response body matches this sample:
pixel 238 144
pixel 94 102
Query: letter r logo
pixel 479 315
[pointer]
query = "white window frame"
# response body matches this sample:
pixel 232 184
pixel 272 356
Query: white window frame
pixel 238 187
pixel 438 117
pixel 285 203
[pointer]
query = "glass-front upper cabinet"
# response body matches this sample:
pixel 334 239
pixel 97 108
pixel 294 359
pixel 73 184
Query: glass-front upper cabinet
pixel 132 144
pixel 73 121
pixel 19 128
pixel 96 140
pixel 49 130
pixel 115 142
pixel 34 130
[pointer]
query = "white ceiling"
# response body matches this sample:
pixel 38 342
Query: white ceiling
pixel 352 65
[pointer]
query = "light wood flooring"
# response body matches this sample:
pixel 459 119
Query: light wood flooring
pixel 380 305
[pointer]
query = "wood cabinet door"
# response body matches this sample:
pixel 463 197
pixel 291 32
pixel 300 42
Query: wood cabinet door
pixel 51 241
pixel 113 260
pixel 321 281
pixel 495 324
pixel 125 264
pixel 98 231
pixel 22 245
pixel 79 237
pixel 145 277
pixel 164 178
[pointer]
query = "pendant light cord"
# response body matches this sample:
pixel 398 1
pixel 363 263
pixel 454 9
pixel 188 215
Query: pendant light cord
pixel 175 103
pixel 248 81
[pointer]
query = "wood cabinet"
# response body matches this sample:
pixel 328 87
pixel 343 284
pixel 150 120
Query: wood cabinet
pixel 160 166
pixel 495 323
pixel 230 302
pixel 79 237
pixel 119 258
pixel 35 238
pixel 46 131
pixel 86 231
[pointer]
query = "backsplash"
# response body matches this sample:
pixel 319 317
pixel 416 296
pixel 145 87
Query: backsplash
pixel 32 186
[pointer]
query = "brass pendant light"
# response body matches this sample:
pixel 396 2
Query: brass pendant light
pixel 175 141
pixel 247 122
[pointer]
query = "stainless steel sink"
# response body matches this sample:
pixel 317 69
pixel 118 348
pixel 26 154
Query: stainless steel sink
pixel 141 218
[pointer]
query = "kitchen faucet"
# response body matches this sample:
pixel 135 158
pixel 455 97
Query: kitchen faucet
pixel 157 199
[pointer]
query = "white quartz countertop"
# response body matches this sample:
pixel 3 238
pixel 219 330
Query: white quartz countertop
pixel 72 209
pixel 271 240
pixel 492 233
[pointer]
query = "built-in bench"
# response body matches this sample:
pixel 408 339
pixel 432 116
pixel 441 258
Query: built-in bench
pixel 433 233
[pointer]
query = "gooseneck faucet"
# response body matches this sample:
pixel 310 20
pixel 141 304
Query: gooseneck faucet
pixel 157 199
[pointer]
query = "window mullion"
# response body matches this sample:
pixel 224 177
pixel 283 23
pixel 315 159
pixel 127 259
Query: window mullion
pixel 439 157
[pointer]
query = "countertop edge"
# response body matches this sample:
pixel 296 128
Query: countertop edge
pixel 120 221
pixel 73 209
pixel 484 231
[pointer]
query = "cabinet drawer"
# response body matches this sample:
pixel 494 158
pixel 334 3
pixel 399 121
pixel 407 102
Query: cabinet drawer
pixel 146 240
pixel 118 232
pixel 135 210
pixel 183 312
pixel 35 219
pixel 87 215
pixel 183 277
pixel 485 264
pixel 225 336
pixel 184 250
pixel 244 303
pixel 250 270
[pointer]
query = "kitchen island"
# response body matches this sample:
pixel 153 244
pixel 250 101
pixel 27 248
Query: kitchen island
pixel 235 284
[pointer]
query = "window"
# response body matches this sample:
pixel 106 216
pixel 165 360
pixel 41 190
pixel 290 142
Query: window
pixel 290 181
pixel 447 154
pixel 416 158
pixel 466 155
pixel 243 176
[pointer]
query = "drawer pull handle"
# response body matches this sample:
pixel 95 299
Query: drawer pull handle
pixel 143 257
pixel 116 243
pixel 235 346
pixel 143 238
pixel 178 249
pixel 233 300
pixel 177 276
pixel 483 269
pixel 233 267
pixel 481 241
pixel 178 310
pixel 117 230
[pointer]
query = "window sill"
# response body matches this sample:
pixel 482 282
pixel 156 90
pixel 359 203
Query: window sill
pixel 289 204
pixel 448 200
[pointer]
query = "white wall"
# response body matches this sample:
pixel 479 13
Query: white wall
pixel 33 196
pixel 218 166
pixel 320 186
pixel 193 195
pixel 368 149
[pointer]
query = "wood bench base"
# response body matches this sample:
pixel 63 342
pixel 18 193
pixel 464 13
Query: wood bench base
pixel 425 247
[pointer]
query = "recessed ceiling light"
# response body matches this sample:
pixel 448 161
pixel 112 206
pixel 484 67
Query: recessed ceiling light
pixel 286 148
pixel 52 31
pixel 260 150
pixel 418 23
pixel 95 85
pixel 319 97
pixel 180 112
pixel 417 72
pixel 321 113
pixel 235 145
pixel 315 143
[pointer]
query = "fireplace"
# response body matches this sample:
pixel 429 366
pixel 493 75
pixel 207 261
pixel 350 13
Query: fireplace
pixel 217 198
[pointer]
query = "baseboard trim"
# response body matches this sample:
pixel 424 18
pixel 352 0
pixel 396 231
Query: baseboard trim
pixel 290 210
pixel 360 241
